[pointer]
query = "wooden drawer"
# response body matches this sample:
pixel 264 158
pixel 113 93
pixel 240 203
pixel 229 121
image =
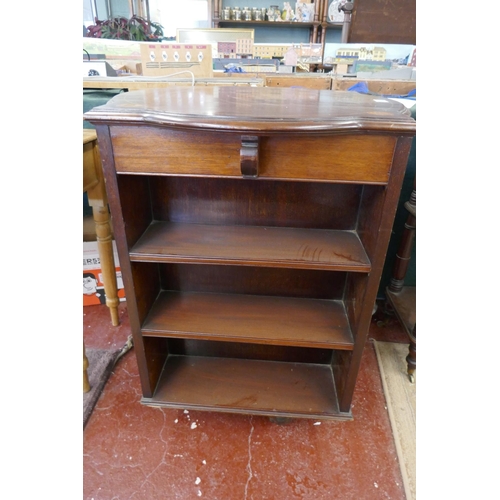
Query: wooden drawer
pixel 348 158
pixel 356 158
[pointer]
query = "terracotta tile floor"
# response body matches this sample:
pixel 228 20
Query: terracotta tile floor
pixel 136 452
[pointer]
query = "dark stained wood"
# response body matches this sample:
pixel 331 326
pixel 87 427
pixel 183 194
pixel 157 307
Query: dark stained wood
pixel 383 22
pixel 370 213
pixel 250 318
pixel 384 227
pixel 137 213
pixel 254 295
pixel 403 254
pixel 354 298
pixel 147 370
pixel 248 386
pixel 249 111
pixel 282 282
pixel 411 359
pixel 256 202
pixel 403 299
pixel 240 350
pixel 404 304
pixel 249 156
pixel 155 353
pixel 340 364
pixel 363 158
pixel 156 150
pixel 251 245
pixel 146 279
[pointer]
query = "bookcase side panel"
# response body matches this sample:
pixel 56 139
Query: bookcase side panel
pixel 378 223
pixel 121 200
pixel 136 205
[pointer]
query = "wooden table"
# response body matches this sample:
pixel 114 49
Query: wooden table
pixel 135 82
pixel 252 226
pixel 402 300
pixel 93 184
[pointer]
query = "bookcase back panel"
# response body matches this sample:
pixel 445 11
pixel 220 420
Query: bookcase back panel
pixel 255 202
pixel 249 351
pixel 252 280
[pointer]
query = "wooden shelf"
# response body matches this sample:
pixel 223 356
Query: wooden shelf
pixel 282 24
pixel 248 386
pixel 271 24
pixel 250 318
pixel 252 246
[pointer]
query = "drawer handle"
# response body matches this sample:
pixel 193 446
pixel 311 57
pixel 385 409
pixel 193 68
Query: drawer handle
pixel 249 156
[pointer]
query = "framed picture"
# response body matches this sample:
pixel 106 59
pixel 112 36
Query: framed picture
pixel 334 15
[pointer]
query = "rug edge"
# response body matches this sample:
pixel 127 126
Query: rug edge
pixel 392 419
pixel 96 390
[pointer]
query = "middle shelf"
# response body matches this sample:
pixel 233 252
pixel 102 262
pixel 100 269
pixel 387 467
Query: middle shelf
pixel 252 246
pixel 250 318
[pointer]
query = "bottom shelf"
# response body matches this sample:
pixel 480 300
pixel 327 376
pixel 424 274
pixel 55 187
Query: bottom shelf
pixel 271 388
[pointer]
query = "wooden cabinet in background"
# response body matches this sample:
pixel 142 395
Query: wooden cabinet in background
pixel 252 226
pixel 383 22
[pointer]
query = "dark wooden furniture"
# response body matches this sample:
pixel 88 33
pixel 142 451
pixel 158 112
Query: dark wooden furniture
pixel 402 300
pixel 383 22
pixel 252 226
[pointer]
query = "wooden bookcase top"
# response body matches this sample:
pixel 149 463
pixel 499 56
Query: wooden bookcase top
pixel 261 109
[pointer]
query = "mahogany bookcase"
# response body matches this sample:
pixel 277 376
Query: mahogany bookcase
pixel 252 226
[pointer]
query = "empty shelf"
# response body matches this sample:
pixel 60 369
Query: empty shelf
pixel 252 246
pixel 250 318
pixel 248 386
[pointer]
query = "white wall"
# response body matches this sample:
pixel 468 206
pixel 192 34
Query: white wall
pixel 173 14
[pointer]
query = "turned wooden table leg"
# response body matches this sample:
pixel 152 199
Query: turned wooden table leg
pixel 94 185
pixel 411 359
pixel 399 297
pixel 86 383
pixel 105 247
pixel 403 254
